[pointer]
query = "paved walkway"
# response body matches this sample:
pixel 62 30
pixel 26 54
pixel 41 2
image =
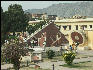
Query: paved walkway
pixel 48 64
pixel 6 66
pixel 86 52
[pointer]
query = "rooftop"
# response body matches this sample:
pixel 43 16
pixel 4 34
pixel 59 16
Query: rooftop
pixel 37 21
pixel 75 20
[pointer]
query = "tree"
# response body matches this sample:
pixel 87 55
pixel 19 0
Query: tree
pixel 13 20
pixel 50 54
pixel 32 29
pixel 18 20
pixel 42 23
pixel 13 52
pixel 2 38
pixel 4 26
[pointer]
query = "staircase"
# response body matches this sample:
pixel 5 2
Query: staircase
pixel 38 30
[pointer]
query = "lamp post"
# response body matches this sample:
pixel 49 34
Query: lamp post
pixel 27 62
pixel 53 66
pixel 61 50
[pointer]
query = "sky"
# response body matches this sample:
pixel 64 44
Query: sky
pixel 32 4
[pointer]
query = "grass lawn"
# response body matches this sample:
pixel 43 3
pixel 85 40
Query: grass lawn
pixel 81 66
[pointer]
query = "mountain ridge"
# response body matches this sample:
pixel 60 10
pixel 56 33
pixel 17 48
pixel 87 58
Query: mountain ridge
pixel 67 9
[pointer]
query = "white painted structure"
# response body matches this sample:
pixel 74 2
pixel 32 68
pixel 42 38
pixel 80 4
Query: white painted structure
pixel 83 26
pixel 26 58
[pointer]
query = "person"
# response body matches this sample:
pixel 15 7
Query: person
pixel 73 46
pixel 61 50
pixel 77 43
pixel 70 48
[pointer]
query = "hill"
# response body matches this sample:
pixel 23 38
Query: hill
pixel 67 9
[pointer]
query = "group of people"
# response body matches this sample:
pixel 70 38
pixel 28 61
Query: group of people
pixel 74 46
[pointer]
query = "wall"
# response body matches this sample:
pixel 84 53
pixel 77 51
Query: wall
pixel 73 26
pixel 90 39
pixel 88 31
pixel 37 56
pixel 26 58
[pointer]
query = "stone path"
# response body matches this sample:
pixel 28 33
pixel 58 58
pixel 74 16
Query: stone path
pixel 48 64
pixel 86 52
pixel 6 66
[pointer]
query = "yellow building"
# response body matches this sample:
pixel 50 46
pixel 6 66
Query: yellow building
pixel 78 30
pixel 34 22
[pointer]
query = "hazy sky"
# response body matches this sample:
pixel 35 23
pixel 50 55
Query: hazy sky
pixel 32 4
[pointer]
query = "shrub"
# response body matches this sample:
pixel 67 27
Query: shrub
pixel 50 54
pixel 13 52
pixel 69 57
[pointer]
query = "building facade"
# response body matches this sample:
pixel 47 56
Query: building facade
pixel 77 30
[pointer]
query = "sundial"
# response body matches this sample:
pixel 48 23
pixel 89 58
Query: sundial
pixel 77 37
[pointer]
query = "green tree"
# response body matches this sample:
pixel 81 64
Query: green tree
pixel 42 23
pixel 13 52
pixel 4 26
pixel 50 54
pixel 18 20
pixel 32 29
pixel 2 37
pixel 13 20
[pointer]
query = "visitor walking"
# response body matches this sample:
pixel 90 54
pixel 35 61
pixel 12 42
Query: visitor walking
pixel 70 48
pixel 73 46
pixel 77 43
